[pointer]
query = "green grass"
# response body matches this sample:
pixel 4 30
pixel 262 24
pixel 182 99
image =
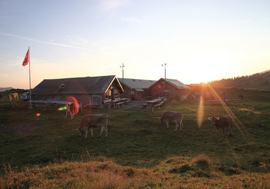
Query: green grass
pixel 141 143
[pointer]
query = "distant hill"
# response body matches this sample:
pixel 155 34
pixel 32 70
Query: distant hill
pixel 5 89
pixel 256 81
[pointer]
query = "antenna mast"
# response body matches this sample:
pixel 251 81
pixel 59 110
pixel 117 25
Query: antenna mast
pixel 122 70
pixel 164 69
pixel 164 92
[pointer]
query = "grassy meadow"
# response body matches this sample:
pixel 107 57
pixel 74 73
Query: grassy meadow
pixel 139 152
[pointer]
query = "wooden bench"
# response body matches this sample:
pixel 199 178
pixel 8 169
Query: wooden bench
pixel 107 102
pixel 159 104
pixel 128 100
pixel 119 104
pixel 144 105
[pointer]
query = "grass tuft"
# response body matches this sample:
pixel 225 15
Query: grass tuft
pixel 202 162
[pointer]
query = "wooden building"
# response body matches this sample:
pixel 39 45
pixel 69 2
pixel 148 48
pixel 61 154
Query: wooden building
pixel 89 91
pixel 136 89
pixel 169 88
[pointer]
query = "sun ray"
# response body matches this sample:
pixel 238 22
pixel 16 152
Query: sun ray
pixel 236 121
pixel 200 113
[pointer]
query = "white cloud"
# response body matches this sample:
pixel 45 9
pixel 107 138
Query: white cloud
pixel 113 4
pixel 130 19
pixel 249 57
pixel 139 43
pixel 77 40
pixel 50 42
pixel 245 21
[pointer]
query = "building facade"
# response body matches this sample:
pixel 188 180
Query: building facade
pixel 89 91
pixel 136 89
pixel 168 87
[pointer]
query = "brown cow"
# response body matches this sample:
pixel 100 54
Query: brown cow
pixel 94 120
pixel 241 97
pixel 174 117
pixel 221 123
pixel 13 95
pixel 1 97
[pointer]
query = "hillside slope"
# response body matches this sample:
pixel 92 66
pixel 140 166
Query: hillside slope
pixel 5 89
pixel 256 81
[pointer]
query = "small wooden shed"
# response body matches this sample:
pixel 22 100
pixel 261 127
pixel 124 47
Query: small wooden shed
pixel 168 87
pixel 136 89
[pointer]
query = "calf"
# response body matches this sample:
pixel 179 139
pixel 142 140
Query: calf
pixel 221 123
pixel 94 120
pixel 169 116
pixel 71 109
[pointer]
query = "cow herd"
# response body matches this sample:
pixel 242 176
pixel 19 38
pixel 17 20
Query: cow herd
pixel 102 120
pixel 10 96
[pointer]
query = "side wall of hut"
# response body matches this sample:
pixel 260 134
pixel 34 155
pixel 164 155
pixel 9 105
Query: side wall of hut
pixel 132 93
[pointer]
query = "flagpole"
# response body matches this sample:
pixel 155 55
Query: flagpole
pixel 30 81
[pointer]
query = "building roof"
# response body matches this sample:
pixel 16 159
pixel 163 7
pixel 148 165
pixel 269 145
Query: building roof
pixel 79 85
pixel 137 84
pixel 177 84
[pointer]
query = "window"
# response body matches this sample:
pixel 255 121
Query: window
pixel 62 86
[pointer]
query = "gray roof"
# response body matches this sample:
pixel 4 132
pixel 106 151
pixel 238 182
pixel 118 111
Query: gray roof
pixel 137 84
pixel 177 84
pixel 80 85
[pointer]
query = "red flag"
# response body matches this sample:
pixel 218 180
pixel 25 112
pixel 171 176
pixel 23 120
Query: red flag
pixel 26 59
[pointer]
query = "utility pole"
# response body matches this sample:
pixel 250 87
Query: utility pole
pixel 122 70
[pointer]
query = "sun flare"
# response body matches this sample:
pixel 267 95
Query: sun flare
pixel 207 67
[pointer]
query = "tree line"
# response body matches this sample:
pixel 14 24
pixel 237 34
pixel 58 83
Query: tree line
pixel 256 81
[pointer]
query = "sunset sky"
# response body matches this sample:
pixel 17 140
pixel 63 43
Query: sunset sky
pixel 200 40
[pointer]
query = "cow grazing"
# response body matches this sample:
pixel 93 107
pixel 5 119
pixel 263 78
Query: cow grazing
pixel 13 95
pixel 71 109
pixel 1 97
pixel 174 117
pixel 241 97
pixel 250 109
pixel 94 120
pixel 221 123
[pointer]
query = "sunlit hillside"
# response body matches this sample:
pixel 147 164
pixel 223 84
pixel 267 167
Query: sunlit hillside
pixel 256 81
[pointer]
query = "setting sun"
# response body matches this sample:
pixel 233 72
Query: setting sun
pixel 205 68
